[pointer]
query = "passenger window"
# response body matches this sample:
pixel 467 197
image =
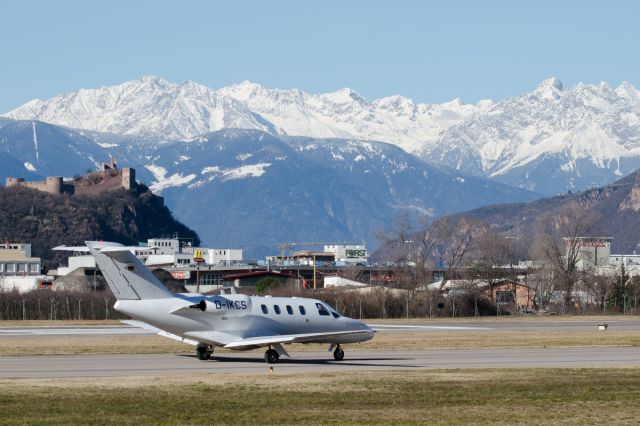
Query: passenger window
pixel 264 309
pixel 277 309
pixel 303 311
pixel 322 310
pixel 289 310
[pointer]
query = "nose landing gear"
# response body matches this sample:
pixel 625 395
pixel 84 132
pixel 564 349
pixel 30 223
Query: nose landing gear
pixel 204 352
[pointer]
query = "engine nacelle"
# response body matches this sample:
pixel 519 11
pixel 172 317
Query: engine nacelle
pixel 236 304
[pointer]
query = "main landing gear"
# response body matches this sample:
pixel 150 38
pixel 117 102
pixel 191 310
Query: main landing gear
pixel 271 356
pixel 338 353
pixel 204 352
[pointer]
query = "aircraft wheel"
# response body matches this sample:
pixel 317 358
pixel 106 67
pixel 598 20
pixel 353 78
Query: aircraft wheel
pixel 271 356
pixel 203 353
pixel 338 354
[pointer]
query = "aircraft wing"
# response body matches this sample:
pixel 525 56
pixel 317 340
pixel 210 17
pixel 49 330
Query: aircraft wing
pixel 289 338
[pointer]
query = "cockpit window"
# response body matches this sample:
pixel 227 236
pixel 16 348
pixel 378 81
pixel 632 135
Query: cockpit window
pixel 334 312
pixel 322 310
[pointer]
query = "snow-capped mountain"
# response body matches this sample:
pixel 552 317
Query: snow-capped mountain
pixel 153 107
pixel 549 140
pixel 149 106
pixel 347 115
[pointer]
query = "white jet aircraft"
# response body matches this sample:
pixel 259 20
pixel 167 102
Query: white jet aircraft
pixel 234 321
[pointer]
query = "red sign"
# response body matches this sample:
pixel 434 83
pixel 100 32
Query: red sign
pixel 181 275
pixel 592 244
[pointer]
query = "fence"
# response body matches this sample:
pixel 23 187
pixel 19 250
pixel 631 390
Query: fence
pixel 58 305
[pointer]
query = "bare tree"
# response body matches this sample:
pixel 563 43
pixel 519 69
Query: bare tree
pixel 455 238
pixel 491 255
pixel 558 243
pixel 394 241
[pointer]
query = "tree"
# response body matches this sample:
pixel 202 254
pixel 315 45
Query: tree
pixel 558 243
pixel 455 238
pixel 266 284
pixel 492 253
pixel 620 289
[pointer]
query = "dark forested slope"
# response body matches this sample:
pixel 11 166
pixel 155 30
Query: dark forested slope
pixel 46 220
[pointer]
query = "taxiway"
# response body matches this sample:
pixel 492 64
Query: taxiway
pixel 69 366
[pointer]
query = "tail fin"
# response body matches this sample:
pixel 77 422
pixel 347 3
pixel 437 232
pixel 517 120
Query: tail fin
pixel 125 274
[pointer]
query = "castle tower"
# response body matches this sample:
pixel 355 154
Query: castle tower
pixel 54 185
pixel 13 182
pixel 128 178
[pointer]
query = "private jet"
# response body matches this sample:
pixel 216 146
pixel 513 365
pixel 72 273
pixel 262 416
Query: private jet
pixel 233 321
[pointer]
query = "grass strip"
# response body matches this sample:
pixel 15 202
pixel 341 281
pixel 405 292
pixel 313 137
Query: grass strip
pixel 514 396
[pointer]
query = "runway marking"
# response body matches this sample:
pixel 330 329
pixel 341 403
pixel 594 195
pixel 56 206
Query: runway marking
pixel 425 327
pixel 43 331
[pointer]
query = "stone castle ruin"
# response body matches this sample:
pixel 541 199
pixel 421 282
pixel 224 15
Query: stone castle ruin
pixel 107 178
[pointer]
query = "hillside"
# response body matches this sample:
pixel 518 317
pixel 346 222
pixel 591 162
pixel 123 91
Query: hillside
pixel 250 189
pixel 46 220
pixel 616 207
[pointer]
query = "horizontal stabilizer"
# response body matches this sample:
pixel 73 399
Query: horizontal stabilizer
pixel 81 249
pixel 122 249
pixel 159 332
pixel 218 338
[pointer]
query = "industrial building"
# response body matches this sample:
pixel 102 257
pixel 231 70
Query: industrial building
pixel 592 251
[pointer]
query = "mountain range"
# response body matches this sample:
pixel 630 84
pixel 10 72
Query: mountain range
pixel 251 189
pixel 549 140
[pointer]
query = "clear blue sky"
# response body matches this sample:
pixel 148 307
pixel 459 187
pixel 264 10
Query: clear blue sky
pixel 427 50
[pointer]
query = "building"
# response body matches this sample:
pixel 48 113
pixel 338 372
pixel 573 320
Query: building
pixel 511 296
pixel 592 251
pixel 348 254
pixel 251 278
pixel 19 271
pixel 337 281
pixel 180 252
pixel 15 259
pixel 627 259
pixel 219 256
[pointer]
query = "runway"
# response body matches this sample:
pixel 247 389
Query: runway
pixel 497 325
pixel 78 366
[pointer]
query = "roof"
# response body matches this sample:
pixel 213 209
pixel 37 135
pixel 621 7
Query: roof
pixel 16 255
pixel 254 274
pixel 477 283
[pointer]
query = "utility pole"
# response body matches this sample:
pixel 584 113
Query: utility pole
pixel 314 271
